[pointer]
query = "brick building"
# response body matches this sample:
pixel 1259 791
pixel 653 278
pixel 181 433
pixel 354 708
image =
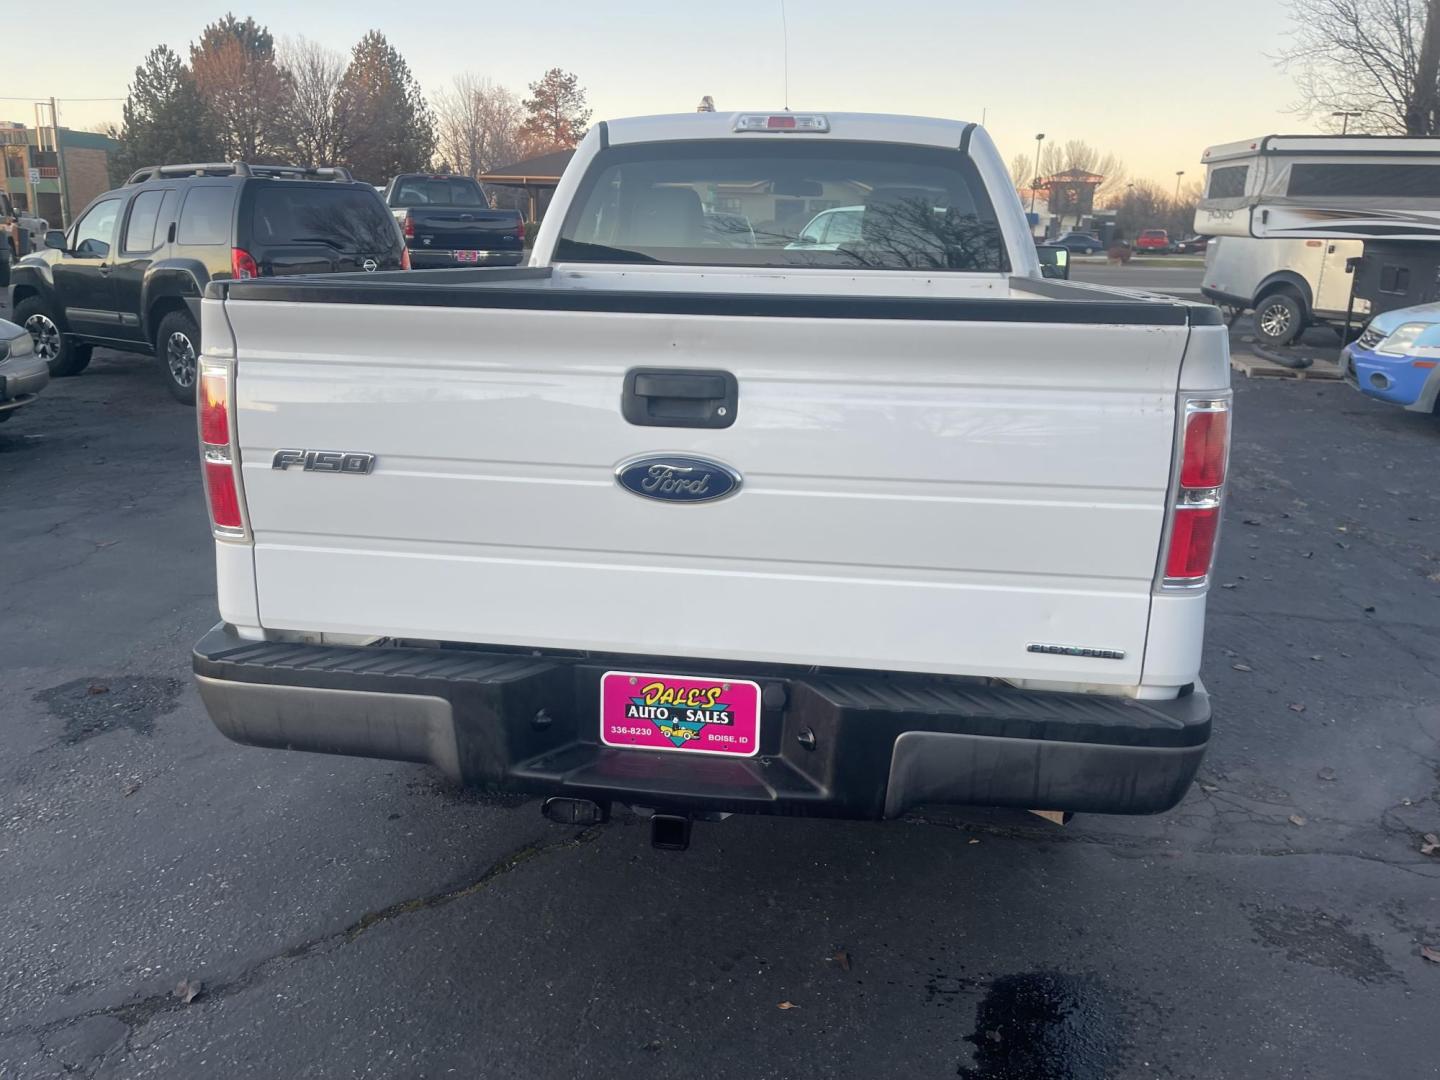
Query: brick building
pixel 54 182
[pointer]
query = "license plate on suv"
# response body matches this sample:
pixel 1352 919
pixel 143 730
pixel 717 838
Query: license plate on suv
pixel 467 256
pixel 680 714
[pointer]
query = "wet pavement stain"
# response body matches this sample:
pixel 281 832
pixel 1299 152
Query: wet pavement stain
pixel 1313 937
pixel 1046 1025
pixel 94 706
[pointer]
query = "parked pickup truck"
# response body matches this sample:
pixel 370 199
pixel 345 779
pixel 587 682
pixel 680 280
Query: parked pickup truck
pixel 704 528
pixel 448 221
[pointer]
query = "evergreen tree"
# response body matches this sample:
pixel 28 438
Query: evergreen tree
pixel 165 121
pixel 390 125
pixel 246 91
pixel 556 114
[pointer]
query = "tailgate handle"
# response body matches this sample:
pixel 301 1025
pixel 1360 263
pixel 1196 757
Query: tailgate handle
pixel 664 397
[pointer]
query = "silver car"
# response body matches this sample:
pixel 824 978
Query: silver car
pixel 23 374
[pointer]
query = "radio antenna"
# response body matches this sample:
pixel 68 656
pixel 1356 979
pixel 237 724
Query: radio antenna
pixel 785 38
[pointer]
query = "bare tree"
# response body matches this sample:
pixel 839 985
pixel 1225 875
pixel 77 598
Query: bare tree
pixel 1078 154
pixel 316 123
pixel 478 124
pixel 1022 170
pixel 1380 58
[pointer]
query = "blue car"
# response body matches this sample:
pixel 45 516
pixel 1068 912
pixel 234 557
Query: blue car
pixel 1397 358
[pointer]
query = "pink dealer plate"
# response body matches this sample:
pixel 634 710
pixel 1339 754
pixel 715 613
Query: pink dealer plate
pixel 678 713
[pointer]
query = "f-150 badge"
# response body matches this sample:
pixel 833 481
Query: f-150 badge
pixel 331 461
pixel 677 478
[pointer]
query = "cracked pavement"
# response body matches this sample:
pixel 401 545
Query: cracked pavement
pixel 361 918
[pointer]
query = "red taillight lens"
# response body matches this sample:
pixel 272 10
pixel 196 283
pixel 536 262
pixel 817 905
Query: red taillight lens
pixel 520 232
pixel 224 496
pixel 214 409
pixel 783 123
pixel 409 227
pixel 242 265
pixel 1192 542
pixel 405 258
pixel 1207 436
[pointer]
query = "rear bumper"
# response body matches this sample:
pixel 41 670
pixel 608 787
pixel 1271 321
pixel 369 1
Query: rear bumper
pixel 430 259
pixel 846 744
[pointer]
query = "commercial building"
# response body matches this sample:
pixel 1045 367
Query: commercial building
pixel 54 173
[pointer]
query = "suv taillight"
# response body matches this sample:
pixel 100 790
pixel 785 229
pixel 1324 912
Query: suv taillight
pixel 218 451
pixel 404 258
pixel 520 231
pixel 242 265
pixel 409 227
pixel 1199 490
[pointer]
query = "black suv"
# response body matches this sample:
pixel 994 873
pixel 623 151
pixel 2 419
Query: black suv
pixel 130 272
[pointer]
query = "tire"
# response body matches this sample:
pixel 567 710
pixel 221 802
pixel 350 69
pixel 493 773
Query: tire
pixel 1279 319
pixel 61 355
pixel 177 344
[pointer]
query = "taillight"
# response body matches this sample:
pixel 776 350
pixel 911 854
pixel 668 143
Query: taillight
pixel 1195 515
pixel 218 451
pixel 409 227
pixel 520 231
pixel 242 265
pixel 404 258
pixel 1207 438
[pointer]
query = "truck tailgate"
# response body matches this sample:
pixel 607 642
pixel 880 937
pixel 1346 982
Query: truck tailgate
pixel 932 495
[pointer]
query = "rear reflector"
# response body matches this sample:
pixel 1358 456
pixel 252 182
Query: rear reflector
pixel 1192 543
pixel 1207 437
pixel 796 122
pixel 224 496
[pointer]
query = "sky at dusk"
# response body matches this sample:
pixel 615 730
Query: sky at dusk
pixel 1154 82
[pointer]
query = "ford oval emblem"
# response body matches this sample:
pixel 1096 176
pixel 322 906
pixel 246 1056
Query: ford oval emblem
pixel 677 478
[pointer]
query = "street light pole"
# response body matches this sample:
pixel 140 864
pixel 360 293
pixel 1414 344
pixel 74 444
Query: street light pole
pixel 1034 183
pixel 1178 175
pixel 1345 116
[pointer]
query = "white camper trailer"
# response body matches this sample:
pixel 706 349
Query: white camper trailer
pixel 1332 187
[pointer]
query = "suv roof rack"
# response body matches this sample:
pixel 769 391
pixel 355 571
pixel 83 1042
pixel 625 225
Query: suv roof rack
pixel 239 168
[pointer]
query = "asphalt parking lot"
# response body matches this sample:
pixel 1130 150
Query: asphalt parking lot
pixel 352 918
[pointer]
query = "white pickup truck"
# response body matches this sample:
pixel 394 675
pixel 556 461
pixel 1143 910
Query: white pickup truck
pixel 697 517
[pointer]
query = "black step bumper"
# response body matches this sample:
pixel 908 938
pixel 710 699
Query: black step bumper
pixel 842 744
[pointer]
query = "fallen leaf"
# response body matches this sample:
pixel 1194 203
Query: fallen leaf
pixel 1327 773
pixel 1296 819
pixel 1251 521
pixel 1431 844
pixel 1433 955
pixel 97 688
pixel 188 990
pixel 1342 545
pixel 843 959
pixel 1307 554
pixel 1296 706
pixel 1317 658
pixel 1369 609
pixel 1242 667
pixel 130 788
pixel 787 1005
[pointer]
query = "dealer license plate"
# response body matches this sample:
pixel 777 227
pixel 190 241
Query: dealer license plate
pixel 467 256
pixel 678 713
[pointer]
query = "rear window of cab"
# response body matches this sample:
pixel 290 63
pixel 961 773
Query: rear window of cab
pixel 784 202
